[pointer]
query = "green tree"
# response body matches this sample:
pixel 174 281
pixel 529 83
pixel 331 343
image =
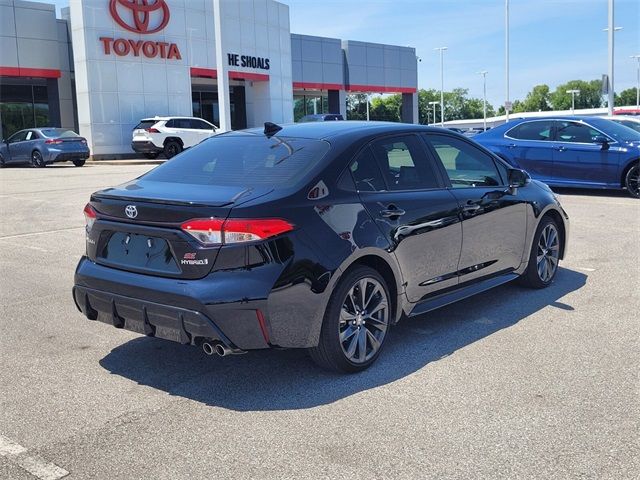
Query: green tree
pixel 537 99
pixel 590 95
pixel 626 97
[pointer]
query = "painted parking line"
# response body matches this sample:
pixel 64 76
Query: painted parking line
pixel 34 464
pixel 20 235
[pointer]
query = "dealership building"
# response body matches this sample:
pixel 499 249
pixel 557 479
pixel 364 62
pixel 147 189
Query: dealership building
pixel 108 63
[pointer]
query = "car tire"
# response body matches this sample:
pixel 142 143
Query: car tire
pixel 172 148
pixel 544 256
pixel 632 180
pixel 351 337
pixel 151 155
pixel 79 163
pixel 37 160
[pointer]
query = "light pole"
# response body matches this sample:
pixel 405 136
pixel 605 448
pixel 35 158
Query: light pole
pixel 573 93
pixel 637 57
pixel 434 110
pixel 507 103
pixel 610 31
pixel 484 99
pixel 442 49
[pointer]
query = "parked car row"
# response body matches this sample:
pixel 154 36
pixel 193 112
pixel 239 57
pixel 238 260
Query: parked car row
pixel 585 152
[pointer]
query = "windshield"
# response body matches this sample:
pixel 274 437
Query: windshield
pixel 242 159
pixel 615 130
pixel 58 133
pixel 629 123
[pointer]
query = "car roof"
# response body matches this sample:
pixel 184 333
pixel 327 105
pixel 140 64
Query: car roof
pixel 327 130
pixel 160 119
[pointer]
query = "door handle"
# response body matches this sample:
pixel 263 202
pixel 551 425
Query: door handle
pixel 561 148
pixel 512 145
pixel 471 208
pixel 392 211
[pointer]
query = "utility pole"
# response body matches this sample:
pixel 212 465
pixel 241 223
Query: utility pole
pixel 442 49
pixel 610 33
pixel 507 103
pixel 573 93
pixel 433 104
pixel 484 99
pixel 637 57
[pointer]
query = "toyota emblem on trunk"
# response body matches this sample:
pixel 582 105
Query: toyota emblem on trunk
pixel 131 211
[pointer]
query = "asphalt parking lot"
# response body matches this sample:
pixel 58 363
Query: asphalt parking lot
pixel 513 383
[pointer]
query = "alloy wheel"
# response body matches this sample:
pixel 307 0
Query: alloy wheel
pixel 364 320
pixel 36 159
pixel 548 253
pixel 633 181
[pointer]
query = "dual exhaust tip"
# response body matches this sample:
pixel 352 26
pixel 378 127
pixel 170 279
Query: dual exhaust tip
pixel 216 348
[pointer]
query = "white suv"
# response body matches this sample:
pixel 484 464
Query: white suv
pixel 169 135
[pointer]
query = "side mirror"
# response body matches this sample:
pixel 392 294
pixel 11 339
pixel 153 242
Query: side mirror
pixel 602 140
pixel 517 179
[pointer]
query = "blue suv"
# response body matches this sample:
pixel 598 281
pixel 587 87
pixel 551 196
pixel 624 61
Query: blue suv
pixel 584 152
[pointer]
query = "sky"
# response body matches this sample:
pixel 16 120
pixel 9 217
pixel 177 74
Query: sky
pixel 551 41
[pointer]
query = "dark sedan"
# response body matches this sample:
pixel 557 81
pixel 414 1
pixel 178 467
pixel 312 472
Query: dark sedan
pixel 318 235
pixel 42 146
pixel 585 152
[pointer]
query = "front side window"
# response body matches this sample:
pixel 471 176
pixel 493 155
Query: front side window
pixel 18 137
pixel 540 131
pixel 403 163
pixel 467 166
pixel 575 132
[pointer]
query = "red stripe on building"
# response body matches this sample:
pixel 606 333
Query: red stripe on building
pixel 204 72
pixel 318 86
pixel 213 73
pixel 380 89
pixel 29 72
pixel 256 77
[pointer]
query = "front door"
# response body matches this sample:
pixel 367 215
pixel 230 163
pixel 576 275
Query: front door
pixel 577 159
pixel 16 144
pixel 494 222
pixel 404 194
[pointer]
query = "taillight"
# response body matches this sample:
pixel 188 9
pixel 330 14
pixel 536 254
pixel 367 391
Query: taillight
pixel 217 232
pixel 153 130
pixel 89 216
pixel 53 141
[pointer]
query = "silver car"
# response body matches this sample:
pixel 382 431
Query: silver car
pixel 42 146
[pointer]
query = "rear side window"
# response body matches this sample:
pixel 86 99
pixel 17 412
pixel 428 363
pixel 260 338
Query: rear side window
pixel 244 160
pixel 143 125
pixel 466 165
pixel 366 173
pixel 532 131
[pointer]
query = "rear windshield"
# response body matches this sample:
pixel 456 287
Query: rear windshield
pixel 144 124
pixel 243 160
pixel 58 133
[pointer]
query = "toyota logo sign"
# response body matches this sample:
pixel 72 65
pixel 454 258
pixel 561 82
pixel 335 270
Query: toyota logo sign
pixel 131 211
pixel 139 13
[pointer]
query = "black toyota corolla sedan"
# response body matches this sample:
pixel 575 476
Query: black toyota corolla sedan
pixel 315 235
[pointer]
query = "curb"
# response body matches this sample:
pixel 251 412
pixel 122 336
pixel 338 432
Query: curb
pixel 94 163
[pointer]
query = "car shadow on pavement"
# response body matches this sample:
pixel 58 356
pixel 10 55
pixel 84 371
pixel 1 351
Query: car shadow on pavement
pixel 287 379
pixel 592 192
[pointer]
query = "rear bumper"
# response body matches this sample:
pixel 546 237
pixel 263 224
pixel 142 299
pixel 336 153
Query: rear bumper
pixel 67 156
pixel 184 311
pixel 145 147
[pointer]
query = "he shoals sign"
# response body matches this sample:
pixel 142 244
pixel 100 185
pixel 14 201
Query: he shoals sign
pixel 142 17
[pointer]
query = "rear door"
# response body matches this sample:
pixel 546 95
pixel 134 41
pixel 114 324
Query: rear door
pixel 578 159
pixel 530 145
pixel 404 194
pixel 494 222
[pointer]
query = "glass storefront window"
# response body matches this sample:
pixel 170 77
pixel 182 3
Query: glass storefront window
pixel 23 106
pixel 308 105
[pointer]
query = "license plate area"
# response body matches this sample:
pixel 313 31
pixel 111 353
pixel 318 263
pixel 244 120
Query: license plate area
pixel 139 251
